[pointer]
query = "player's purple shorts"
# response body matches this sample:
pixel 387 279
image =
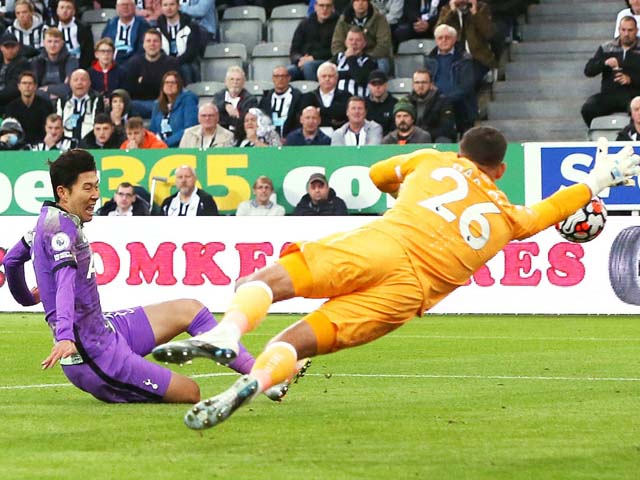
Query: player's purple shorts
pixel 120 374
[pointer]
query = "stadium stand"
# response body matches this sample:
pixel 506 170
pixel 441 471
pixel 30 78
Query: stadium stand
pixel 97 19
pixel 399 87
pixel 607 126
pixel 304 85
pixel 410 54
pixel 258 87
pixel 220 56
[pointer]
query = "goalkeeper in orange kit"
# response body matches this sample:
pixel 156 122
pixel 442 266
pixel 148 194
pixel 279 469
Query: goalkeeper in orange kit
pixel 448 221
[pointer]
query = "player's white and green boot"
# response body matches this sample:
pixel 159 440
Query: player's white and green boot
pixel 182 351
pixel 212 411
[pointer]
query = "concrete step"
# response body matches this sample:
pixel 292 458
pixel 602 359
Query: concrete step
pixel 528 88
pixel 539 70
pixel 574 17
pixel 533 130
pixel 552 46
pixel 534 109
pixel 552 57
pixel 571 31
pixel 606 9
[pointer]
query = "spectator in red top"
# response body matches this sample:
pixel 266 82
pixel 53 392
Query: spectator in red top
pixel 106 76
pixel 140 137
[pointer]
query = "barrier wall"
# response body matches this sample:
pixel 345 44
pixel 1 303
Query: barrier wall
pixel 146 260
pixel 228 174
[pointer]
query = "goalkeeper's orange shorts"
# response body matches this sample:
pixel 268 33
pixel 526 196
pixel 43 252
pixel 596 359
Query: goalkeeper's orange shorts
pixel 367 277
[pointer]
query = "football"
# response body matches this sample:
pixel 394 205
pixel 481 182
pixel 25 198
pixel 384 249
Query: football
pixel 585 224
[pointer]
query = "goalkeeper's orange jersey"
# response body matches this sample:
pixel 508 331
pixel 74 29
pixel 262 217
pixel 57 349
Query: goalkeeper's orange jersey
pixel 451 218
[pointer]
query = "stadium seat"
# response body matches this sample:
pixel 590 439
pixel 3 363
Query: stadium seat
pixel 305 85
pixel 283 22
pixel 607 126
pixel 219 57
pixel 205 89
pixel 265 57
pixel 101 15
pixel 399 87
pixel 258 87
pixel 410 56
pixel 243 25
pixel 97 29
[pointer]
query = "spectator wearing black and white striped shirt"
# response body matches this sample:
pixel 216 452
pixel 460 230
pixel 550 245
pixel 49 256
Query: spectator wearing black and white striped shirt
pixel 354 66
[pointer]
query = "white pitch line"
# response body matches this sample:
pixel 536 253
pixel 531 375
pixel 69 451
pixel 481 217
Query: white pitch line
pixel 495 337
pixel 383 375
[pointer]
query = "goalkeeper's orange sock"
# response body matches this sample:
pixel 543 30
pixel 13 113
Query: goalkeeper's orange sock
pixel 249 306
pixel 275 365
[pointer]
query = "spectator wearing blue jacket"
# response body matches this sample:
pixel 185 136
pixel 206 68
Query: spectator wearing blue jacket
pixel 175 110
pixel 126 30
pixel 203 12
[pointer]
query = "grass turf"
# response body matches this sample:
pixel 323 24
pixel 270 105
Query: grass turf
pixel 442 398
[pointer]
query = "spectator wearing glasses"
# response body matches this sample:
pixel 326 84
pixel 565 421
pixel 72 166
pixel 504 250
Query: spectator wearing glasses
pixel 175 110
pixel 124 203
pixel 261 203
pixel 106 75
pixel 282 103
pixel 208 133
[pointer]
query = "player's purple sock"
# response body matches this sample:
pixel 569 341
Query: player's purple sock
pixel 205 321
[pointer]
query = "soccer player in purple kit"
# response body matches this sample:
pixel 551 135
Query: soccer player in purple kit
pixel 101 354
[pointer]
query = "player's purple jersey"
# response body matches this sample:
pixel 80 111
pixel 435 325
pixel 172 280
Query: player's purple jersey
pixel 63 263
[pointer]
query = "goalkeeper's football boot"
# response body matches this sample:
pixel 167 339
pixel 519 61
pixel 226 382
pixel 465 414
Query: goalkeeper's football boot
pixel 277 392
pixel 212 411
pixel 182 351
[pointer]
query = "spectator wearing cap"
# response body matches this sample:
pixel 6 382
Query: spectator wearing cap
pixel 261 203
pixel 309 133
pixel 354 66
pixel 320 199
pixel 103 135
pixel 29 109
pixel 379 102
pixel 406 131
pixel 106 75
pixel 12 135
pixel 13 64
pixel 434 112
pixel 358 130
pixel 311 43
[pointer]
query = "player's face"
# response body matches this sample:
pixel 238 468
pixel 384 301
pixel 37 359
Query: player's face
pixel 24 16
pixel 53 129
pixel 27 87
pixel 318 191
pixel 169 8
pixel 81 199
pixel 103 132
pixel 263 192
pixel 52 44
pixel 125 197
pixel 65 11
pixel 185 180
pixel 421 83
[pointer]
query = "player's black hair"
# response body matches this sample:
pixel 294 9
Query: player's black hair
pixel 68 166
pixel 484 145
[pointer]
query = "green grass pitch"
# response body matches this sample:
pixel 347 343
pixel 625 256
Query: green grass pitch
pixel 441 398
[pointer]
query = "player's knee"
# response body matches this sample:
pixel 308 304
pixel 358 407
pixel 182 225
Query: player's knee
pixel 190 306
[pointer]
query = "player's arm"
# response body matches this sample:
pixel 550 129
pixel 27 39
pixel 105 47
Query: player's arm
pixel 13 263
pixel 389 174
pixel 560 205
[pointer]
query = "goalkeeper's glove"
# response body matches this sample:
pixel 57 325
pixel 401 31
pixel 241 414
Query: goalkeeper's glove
pixel 612 170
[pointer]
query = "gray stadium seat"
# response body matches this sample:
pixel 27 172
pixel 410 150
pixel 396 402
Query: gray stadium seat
pixel 101 15
pixel 399 87
pixel 243 25
pixel 410 56
pixel 220 56
pixel 265 57
pixel 205 89
pixel 607 126
pixel 97 29
pixel 283 22
pixel 258 87
pixel 305 85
